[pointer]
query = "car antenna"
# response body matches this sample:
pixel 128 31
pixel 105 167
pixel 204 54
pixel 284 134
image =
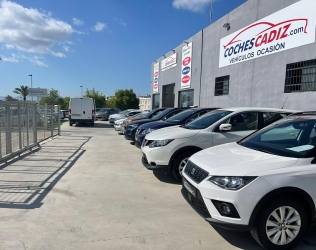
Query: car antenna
pixel 284 102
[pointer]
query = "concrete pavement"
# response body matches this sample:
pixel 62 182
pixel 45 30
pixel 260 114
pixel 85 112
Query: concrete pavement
pixel 88 190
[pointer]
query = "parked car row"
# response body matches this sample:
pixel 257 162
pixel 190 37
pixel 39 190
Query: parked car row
pixel 248 169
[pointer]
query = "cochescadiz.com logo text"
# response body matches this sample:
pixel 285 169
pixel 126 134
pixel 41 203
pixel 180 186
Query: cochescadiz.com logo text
pixel 270 40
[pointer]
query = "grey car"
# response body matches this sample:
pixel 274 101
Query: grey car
pixel 104 113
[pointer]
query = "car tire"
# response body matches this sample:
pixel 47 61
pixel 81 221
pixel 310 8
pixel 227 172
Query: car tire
pixel 287 220
pixel 179 163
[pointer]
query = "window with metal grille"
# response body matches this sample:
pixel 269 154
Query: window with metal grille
pixel 300 77
pixel 222 85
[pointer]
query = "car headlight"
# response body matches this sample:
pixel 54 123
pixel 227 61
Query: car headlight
pixel 159 143
pixel 147 131
pixel 231 182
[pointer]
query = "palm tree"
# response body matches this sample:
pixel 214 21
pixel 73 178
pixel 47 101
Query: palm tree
pixel 23 91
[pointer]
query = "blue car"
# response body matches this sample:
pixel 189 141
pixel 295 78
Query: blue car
pixel 131 127
pixel 180 119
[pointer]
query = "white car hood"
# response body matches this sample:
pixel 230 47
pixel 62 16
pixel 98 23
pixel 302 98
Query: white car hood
pixel 120 120
pixel 232 159
pixel 113 116
pixel 174 132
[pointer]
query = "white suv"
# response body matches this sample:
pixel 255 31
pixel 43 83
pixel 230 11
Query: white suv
pixel 265 183
pixel 169 149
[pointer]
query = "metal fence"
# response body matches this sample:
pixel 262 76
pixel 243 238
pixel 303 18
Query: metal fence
pixel 24 124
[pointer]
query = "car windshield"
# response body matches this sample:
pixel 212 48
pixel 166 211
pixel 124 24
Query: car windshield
pixel 181 116
pixel 291 137
pixel 137 115
pixel 207 120
pixel 151 113
pixel 161 114
pixel 103 110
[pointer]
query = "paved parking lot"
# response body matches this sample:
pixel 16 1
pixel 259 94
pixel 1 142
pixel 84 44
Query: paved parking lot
pixel 88 190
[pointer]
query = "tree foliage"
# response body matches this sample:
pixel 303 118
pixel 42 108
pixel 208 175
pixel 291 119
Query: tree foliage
pixel 97 96
pixel 53 98
pixel 23 91
pixel 111 103
pixel 9 98
pixel 65 104
pixel 126 99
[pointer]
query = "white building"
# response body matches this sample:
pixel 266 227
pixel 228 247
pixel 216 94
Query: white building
pixel 144 102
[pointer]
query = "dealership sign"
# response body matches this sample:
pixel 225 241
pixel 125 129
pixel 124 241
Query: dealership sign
pixel 156 76
pixel 186 66
pixel 286 29
pixel 169 62
pixel 37 92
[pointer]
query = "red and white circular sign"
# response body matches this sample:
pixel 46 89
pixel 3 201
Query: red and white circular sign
pixel 156 86
pixel 186 61
pixel 156 74
pixel 185 79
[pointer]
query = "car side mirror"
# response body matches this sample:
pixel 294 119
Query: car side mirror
pixel 165 118
pixel 225 127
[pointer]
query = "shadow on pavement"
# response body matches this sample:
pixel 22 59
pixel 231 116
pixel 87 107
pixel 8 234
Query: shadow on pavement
pixel 166 177
pixel 96 125
pixel 238 239
pixel 25 181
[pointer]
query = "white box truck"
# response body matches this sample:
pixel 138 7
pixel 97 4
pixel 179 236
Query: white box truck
pixel 81 110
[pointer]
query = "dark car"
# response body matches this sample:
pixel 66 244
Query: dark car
pixel 180 119
pixel 131 127
pixel 103 114
pixel 148 115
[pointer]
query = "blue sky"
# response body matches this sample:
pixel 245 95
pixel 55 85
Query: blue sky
pixel 101 44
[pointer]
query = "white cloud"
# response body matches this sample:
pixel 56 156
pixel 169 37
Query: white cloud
pixel 192 5
pixel 31 30
pixel 120 21
pixel 100 26
pixel 16 58
pixel 77 22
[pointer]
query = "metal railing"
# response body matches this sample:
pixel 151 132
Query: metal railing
pixel 23 125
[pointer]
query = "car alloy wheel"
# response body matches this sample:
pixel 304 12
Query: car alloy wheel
pixel 182 164
pixel 179 163
pixel 283 225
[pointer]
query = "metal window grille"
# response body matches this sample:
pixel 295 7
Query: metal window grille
pixel 222 85
pixel 300 77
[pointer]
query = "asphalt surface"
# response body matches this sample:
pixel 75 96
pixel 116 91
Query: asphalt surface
pixel 87 189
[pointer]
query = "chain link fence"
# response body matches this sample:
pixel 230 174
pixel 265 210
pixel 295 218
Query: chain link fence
pixel 24 124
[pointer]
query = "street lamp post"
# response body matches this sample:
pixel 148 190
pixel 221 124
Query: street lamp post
pixel 31 83
pixel 81 90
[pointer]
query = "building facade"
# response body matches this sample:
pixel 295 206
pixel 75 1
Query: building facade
pixel 144 102
pixel 262 54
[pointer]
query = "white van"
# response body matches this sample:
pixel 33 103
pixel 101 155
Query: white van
pixel 81 110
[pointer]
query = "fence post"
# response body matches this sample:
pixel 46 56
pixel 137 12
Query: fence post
pixel 51 122
pixel 19 126
pixel 27 124
pixel 8 130
pixel 59 119
pixel 34 123
pixel 45 117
